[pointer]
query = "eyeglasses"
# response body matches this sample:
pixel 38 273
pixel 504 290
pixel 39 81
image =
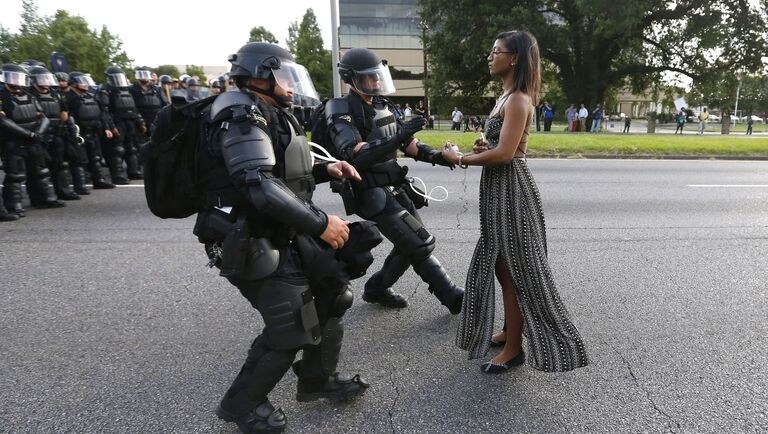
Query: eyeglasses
pixel 496 53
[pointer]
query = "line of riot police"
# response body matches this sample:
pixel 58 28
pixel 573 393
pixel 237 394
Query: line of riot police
pixel 58 130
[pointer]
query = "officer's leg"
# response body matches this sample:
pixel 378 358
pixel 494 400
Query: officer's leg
pixel 39 185
pixel 15 174
pixel 93 151
pixel 60 170
pixel 5 216
pixel 409 236
pixel 290 322
pixel 317 369
pixel 114 152
pixel 132 152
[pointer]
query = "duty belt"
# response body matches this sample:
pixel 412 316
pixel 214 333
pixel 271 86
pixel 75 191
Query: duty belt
pixel 389 173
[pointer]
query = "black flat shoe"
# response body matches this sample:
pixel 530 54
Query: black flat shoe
pixel 497 344
pixel 262 419
pixel 492 368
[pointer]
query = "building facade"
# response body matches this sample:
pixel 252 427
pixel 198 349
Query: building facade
pixel 392 29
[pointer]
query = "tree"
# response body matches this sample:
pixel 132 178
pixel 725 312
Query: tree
pixel 597 45
pixel 85 50
pixel 194 70
pixel 260 34
pixel 306 43
pixel 171 70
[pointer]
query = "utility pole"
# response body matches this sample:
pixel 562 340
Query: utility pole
pixel 335 48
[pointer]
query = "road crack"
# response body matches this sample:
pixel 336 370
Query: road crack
pixel 647 392
pixel 393 382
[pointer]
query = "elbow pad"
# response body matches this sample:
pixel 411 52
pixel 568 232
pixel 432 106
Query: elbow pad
pixel 272 197
pixel 376 151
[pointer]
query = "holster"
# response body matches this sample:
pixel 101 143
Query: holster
pixel 344 188
pixel 418 200
pixel 382 174
pixel 246 258
pixel 212 225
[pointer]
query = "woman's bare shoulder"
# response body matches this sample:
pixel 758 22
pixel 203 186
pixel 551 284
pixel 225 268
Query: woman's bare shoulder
pixel 517 102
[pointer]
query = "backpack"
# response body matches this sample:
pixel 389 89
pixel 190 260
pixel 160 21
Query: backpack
pixel 171 183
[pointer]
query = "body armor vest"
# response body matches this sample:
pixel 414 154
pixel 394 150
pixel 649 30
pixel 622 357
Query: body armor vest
pixel 89 113
pixel 122 104
pixel 24 111
pixel 297 166
pixel 51 107
pixel 382 125
pixel 147 100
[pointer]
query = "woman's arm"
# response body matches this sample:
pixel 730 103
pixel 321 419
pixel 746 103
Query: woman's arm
pixel 516 111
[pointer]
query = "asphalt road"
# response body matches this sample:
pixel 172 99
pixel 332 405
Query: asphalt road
pixel 110 321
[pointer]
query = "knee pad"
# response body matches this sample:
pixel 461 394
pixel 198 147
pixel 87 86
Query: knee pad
pixel 290 317
pixel 118 151
pixel 407 234
pixel 16 177
pixel 342 302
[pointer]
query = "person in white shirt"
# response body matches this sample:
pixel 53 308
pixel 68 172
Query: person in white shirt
pixel 408 112
pixel 583 113
pixel 456 116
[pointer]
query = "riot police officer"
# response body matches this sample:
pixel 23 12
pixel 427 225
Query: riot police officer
pixel 193 89
pixel 60 139
pixel 166 85
pixel 24 159
pixel 367 130
pixel 257 161
pixel 147 96
pixel 129 124
pixel 94 122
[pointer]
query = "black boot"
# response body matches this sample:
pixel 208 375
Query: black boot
pixel 61 183
pixel 117 171
pixel 5 216
pixel 134 168
pixel 262 419
pixel 440 284
pixel 101 184
pixel 78 180
pixel 378 289
pixel 337 387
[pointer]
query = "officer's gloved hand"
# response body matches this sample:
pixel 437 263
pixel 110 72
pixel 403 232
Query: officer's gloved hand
pixel 413 126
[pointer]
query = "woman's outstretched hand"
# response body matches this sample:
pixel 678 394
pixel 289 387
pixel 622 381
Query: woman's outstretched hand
pixel 480 146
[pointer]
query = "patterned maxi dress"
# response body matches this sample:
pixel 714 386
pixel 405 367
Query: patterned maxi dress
pixel 512 225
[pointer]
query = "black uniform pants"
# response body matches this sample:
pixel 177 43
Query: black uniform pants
pixel 269 357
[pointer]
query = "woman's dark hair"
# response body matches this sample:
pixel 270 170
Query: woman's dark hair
pixel 527 70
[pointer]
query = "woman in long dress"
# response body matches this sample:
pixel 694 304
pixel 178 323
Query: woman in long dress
pixel 513 243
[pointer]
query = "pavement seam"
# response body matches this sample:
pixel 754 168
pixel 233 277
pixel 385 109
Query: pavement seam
pixel 397 392
pixel 640 386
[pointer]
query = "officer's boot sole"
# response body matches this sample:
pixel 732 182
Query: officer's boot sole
pixel 390 300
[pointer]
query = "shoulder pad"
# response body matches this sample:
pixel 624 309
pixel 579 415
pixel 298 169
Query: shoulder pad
pixel 229 99
pixel 336 106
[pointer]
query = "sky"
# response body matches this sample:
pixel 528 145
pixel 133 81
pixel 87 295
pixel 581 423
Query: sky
pixel 160 32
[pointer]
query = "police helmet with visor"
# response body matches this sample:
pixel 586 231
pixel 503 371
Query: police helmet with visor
pixel 116 76
pixel 271 62
pixel 15 75
pixel 41 77
pixel 362 69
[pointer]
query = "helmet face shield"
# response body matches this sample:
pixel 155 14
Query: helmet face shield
pixel 374 81
pixel 44 80
pixel 84 79
pixel 295 78
pixel 143 74
pixel 119 80
pixel 15 78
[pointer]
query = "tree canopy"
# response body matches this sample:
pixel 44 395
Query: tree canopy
pixel 598 45
pixel 261 34
pixel 85 49
pixel 306 43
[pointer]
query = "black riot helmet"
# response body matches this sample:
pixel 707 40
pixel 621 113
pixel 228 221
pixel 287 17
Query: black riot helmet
pixel 143 74
pixel 41 77
pixel 362 69
pixel 15 77
pixel 81 81
pixel 165 79
pixel 271 62
pixel 116 76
